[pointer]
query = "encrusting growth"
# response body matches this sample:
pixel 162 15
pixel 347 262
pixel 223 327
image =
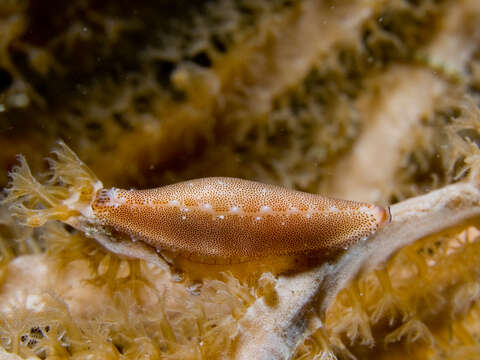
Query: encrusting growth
pixel 209 220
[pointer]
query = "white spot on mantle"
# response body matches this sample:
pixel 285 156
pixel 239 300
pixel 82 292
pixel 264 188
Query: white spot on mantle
pixel 266 209
pixel 364 209
pixel 236 210
pixel 292 210
pixel 207 207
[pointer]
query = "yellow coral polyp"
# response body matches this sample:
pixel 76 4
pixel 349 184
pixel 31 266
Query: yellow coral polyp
pixel 66 193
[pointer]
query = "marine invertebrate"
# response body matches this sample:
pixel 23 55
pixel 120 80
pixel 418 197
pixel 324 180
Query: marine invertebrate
pixel 119 325
pixel 228 219
pixel 211 220
pixel 304 98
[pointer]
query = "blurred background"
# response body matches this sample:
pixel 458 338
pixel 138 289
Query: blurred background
pixel 347 98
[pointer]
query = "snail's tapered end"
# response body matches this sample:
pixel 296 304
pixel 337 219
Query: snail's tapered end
pixel 383 215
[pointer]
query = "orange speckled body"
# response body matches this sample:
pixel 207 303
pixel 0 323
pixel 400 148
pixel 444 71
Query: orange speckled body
pixel 224 220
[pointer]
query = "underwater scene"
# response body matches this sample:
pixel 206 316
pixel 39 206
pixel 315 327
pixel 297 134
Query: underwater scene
pixel 240 179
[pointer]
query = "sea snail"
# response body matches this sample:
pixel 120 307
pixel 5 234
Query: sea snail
pixel 224 220
pixel 209 220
